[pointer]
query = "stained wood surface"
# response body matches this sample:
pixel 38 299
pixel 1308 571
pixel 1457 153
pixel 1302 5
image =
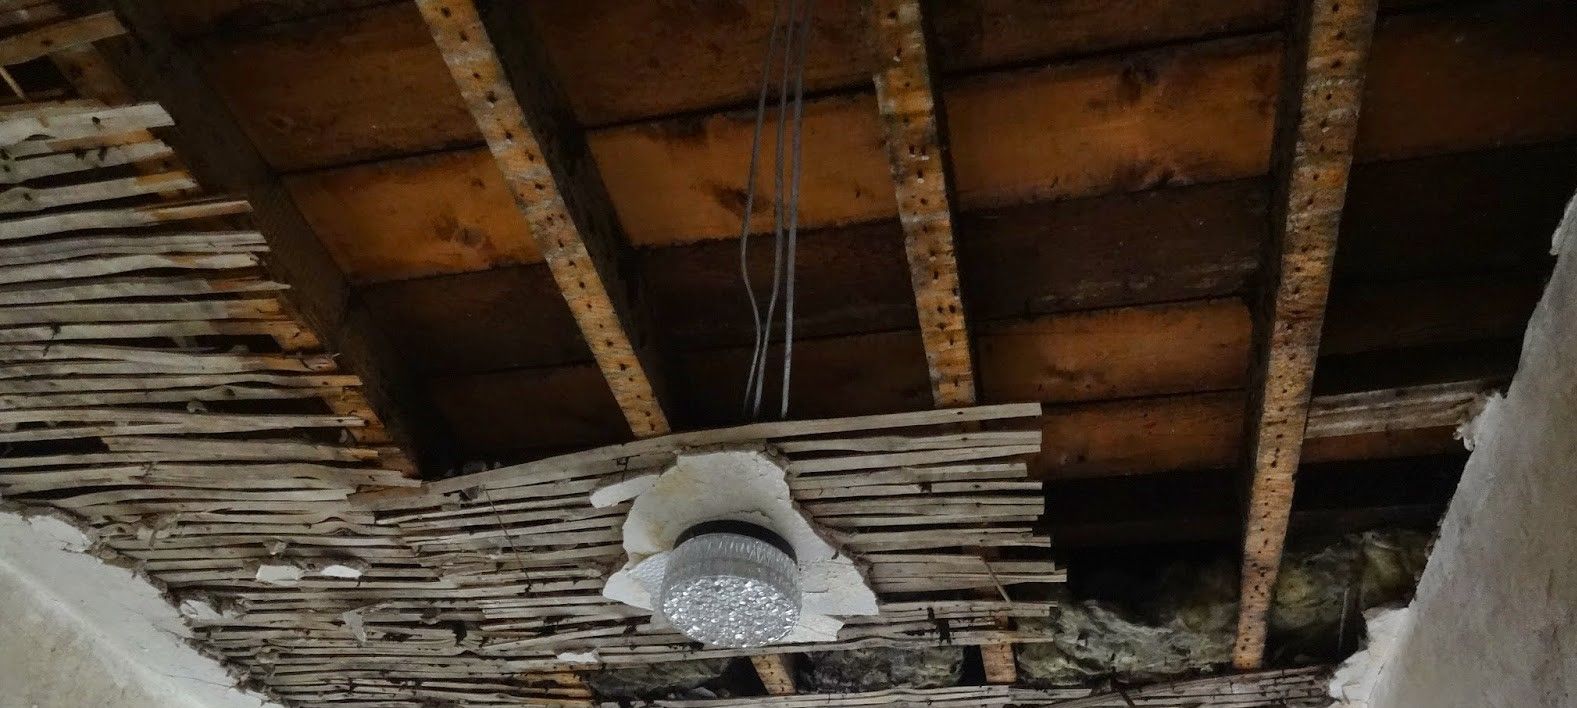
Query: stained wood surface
pixel 699 161
pixel 390 220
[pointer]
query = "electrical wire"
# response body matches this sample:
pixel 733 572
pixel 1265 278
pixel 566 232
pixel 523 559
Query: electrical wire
pixel 779 209
pixel 794 26
pixel 750 202
pixel 797 165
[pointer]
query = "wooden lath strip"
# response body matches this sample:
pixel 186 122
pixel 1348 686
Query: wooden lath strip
pixel 1316 129
pixel 118 218
pixel 555 183
pixel 912 125
pixel 24 135
pixel 27 199
pixel 75 32
pixel 152 65
pixel 13 171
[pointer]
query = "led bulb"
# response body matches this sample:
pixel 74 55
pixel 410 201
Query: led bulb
pixel 731 590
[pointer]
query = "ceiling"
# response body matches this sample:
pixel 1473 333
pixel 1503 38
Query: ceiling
pixel 1114 178
pixel 1112 170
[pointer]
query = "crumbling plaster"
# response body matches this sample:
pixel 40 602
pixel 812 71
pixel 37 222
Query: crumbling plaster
pixel 1492 624
pixel 80 632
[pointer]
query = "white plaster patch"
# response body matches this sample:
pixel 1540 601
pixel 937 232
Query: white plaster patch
pixel 278 574
pixel 342 570
pixel 1567 227
pixel 1354 681
pixel 101 635
pixel 734 485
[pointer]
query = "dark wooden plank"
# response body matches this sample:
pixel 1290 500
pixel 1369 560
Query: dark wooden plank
pixel 503 413
pixel 219 154
pixel 851 280
pixel 502 71
pixel 495 319
pixel 1317 124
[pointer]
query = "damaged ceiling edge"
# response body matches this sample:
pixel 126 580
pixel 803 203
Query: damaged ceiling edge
pixel 126 639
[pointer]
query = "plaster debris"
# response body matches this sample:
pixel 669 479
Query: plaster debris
pixel 96 633
pixel 1355 679
pixel 354 623
pixel 1486 417
pixel 737 485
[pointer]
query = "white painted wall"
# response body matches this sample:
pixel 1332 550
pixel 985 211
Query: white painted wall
pixel 1492 625
pixel 75 632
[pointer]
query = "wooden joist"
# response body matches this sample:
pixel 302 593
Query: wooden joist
pixel 503 74
pixel 152 65
pixel 912 126
pixel 1323 80
pixel 913 129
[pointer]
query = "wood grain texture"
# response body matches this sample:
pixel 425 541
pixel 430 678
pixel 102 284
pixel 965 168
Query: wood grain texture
pixel 916 143
pixel 1116 353
pixel 1122 122
pixel 776 672
pixel 1327 55
pixel 556 185
pixel 443 213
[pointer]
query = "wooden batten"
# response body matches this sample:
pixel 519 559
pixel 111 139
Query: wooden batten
pixel 913 131
pixel 776 672
pixel 1327 56
pixel 499 66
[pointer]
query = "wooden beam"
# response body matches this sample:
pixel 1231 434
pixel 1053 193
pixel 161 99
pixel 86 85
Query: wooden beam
pixel 913 131
pixel 1317 126
pixel 152 65
pixel 912 128
pixel 776 672
pixel 555 184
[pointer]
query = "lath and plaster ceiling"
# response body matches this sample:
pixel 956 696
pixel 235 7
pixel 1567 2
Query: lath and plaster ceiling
pixel 1116 187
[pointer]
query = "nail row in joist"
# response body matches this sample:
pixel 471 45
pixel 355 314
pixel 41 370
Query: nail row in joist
pixel 555 184
pixel 915 150
pixel 1314 146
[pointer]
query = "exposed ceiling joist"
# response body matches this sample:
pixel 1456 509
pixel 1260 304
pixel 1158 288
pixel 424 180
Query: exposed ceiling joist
pixel 912 123
pixel 151 64
pixel 913 131
pixel 1317 126
pixel 555 183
